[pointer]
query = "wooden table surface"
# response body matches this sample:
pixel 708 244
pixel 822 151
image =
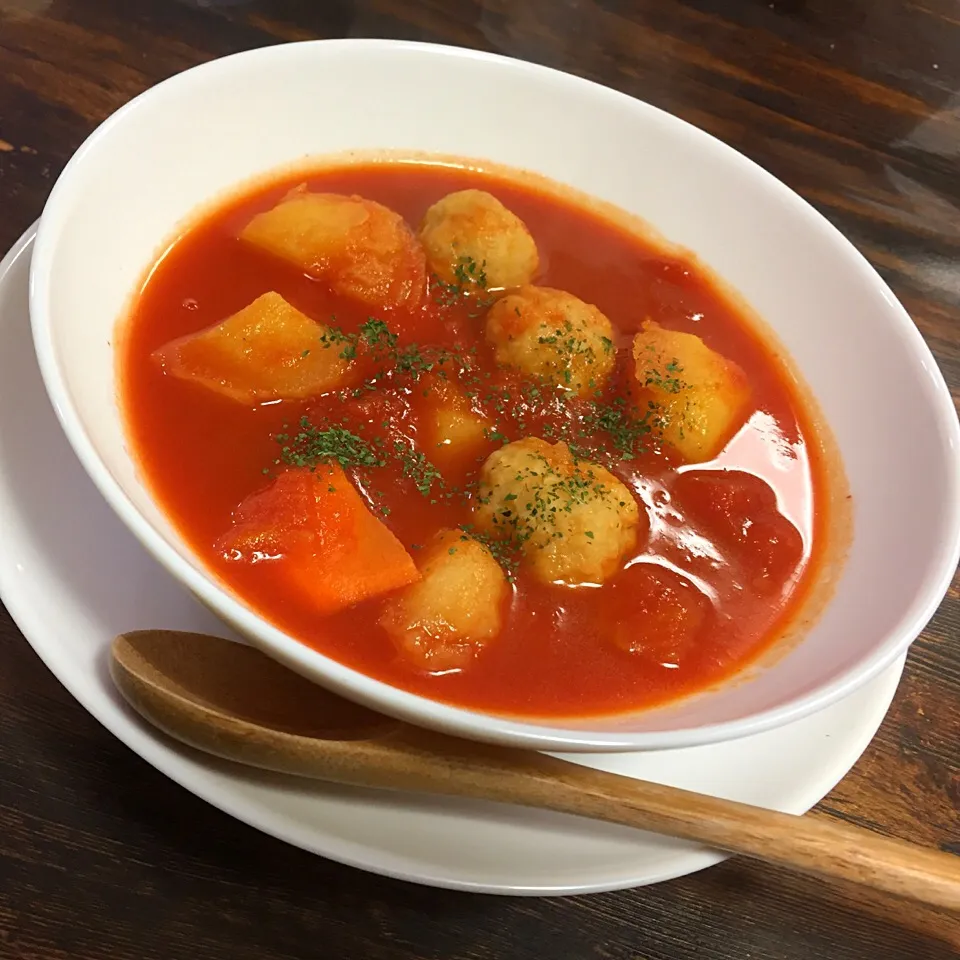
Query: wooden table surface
pixel 853 103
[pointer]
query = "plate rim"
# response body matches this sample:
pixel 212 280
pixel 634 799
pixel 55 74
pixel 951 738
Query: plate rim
pixel 164 754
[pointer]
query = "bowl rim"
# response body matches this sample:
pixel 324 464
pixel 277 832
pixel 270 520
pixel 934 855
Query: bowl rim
pixel 473 724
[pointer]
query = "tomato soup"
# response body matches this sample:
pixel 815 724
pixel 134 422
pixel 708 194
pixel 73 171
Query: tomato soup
pixel 563 476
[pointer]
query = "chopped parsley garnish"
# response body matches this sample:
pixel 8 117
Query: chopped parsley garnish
pixel 571 348
pixel 377 333
pixel 665 378
pixel 336 337
pixel 414 361
pixel 418 468
pixel 312 446
pixel 469 282
pixel 624 430
pixel 383 347
pixel 503 551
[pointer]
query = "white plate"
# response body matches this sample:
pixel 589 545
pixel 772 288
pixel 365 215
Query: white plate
pixel 72 577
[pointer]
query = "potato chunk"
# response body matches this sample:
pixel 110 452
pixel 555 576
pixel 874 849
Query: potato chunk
pixel 362 249
pixel 552 335
pixel 451 428
pixel 269 350
pixel 472 228
pixel 573 521
pixel 443 621
pixel 703 397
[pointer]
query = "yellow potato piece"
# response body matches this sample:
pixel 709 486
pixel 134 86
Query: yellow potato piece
pixel 457 430
pixel 444 620
pixel 269 350
pixel 702 397
pixel 361 248
pixel 451 428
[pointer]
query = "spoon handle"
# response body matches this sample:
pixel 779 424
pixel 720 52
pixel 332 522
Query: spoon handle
pixel 401 757
pixel 810 845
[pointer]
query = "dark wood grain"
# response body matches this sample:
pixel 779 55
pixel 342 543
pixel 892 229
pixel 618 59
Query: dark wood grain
pixel 856 105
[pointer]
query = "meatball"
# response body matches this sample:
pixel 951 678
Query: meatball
pixel 573 521
pixel 552 335
pixel 443 621
pixel 471 236
pixel 362 249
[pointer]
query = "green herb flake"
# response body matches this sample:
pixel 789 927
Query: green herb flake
pixel 418 468
pixel 665 379
pixel 469 283
pixel 313 445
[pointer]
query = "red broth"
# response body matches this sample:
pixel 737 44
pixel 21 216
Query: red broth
pixel 744 530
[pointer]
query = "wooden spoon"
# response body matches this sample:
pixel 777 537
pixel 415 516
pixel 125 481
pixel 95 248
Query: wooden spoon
pixel 232 701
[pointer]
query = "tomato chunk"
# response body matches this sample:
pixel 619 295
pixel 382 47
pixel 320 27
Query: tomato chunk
pixel 738 511
pixel 656 614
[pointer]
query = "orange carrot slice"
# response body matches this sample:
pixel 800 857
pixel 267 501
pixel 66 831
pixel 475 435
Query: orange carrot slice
pixel 318 526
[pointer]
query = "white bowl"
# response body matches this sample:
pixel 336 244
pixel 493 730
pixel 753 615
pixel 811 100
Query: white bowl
pixel 209 129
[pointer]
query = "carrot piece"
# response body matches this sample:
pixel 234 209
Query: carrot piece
pixel 332 546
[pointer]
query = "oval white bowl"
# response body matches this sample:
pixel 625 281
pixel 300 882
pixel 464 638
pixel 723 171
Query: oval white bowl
pixel 195 136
